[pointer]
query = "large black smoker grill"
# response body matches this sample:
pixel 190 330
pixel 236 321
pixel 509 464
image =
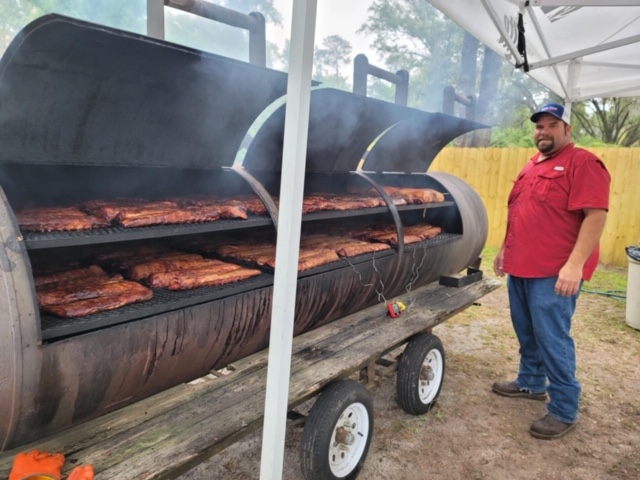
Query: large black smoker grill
pixel 90 112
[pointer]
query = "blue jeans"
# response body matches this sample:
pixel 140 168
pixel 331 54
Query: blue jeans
pixel 542 321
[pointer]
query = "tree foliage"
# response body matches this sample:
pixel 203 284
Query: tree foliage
pixel 414 36
pixel 332 56
pixel 613 120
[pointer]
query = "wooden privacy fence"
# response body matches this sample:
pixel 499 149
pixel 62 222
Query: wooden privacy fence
pixel 491 171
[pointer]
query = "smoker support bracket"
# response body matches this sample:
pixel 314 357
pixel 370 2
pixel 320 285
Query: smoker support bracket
pixel 473 275
pixel 259 190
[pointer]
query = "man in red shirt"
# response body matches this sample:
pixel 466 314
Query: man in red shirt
pixel 557 212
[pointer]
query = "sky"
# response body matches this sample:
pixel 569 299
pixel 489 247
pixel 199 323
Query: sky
pixel 334 17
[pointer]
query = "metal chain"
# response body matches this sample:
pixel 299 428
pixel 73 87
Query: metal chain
pixel 415 272
pixel 415 275
pixel 379 288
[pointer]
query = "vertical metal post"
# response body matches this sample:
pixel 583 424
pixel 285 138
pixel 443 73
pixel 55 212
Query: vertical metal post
pixel 288 241
pixel 402 88
pixel 448 100
pixel 362 68
pixel 155 19
pixel 258 41
pixel 470 108
pixel 360 71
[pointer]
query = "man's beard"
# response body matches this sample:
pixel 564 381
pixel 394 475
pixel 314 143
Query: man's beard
pixel 548 148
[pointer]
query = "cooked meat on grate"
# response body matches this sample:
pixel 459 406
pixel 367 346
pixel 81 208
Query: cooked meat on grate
pixel 246 251
pixel 57 219
pixel 307 259
pixel 253 204
pixel 352 250
pixel 227 207
pixel 343 246
pixel 264 255
pixel 328 201
pixel 92 271
pixel 134 293
pixel 164 265
pixel 387 234
pixel 110 209
pixel 314 260
pixel 423 231
pixel 142 216
pixel 203 277
pixel 124 263
pixel 67 292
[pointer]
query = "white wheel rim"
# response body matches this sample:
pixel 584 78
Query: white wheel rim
pixel 430 376
pixel 354 424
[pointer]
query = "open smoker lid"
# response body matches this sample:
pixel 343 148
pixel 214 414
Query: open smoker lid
pixel 347 129
pixel 73 92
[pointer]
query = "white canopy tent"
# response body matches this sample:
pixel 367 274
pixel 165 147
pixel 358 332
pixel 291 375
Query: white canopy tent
pixel 579 49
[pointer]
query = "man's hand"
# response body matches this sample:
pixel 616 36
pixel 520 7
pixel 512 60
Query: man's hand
pixel 591 229
pixel 569 280
pixel 498 263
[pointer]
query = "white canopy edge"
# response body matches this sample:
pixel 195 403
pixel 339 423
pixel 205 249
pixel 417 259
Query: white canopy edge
pixel 579 49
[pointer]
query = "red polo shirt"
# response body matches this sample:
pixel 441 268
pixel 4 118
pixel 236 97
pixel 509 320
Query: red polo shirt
pixel 546 211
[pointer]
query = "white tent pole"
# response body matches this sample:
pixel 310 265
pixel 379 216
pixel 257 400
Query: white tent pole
pixel 155 19
pixel 587 51
pixel 607 93
pixel 498 23
pixel 289 220
pixel 572 81
pixel 543 41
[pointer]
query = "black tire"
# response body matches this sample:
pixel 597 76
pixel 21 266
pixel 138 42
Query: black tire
pixel 344 409
pixel 420 374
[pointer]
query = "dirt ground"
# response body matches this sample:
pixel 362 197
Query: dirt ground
pixel 473 434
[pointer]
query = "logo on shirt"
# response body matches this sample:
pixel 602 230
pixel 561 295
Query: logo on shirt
pixel 560 168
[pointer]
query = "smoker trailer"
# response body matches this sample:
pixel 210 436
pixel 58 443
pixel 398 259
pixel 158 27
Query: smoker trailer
pixel 89 112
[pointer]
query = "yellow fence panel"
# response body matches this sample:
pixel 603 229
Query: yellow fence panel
pixel 491 172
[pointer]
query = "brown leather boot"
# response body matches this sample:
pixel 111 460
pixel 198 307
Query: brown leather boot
pixel 549 427
pixel 511 389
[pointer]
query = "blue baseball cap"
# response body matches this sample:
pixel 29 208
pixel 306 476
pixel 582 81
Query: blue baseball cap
pixel 552 109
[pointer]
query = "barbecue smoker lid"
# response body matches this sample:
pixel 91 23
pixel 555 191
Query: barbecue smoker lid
pixel 347 131
pixel 73 92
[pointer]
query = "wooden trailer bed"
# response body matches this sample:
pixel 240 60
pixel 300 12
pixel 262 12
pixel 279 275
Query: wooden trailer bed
pixel 166 435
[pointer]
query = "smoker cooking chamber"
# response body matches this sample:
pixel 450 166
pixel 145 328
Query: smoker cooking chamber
pixel 95 113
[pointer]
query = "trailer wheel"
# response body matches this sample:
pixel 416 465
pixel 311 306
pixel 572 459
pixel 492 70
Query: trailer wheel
pixel 337 433
pixel 420 374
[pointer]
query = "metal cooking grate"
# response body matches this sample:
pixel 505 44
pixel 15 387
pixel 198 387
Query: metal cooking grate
pixel 163 301
pixel 37 240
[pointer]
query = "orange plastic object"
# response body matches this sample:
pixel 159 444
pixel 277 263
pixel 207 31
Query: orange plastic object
pixel 84 472
pixel 36 465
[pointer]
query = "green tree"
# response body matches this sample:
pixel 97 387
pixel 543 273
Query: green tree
pixel 612 120
pixel 329 59
pixel 414 36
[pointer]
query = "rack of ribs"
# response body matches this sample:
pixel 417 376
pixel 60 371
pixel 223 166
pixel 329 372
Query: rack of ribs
pixel 72 296
pixel 207 275
pixel 57 219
